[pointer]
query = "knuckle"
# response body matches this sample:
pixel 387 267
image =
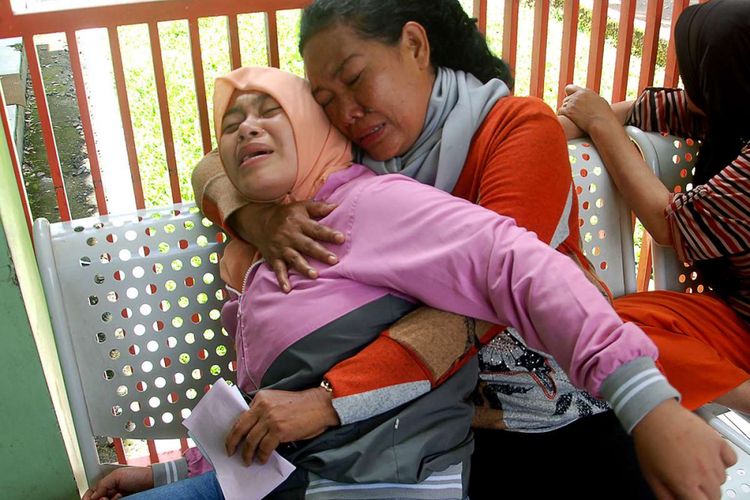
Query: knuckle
pixel 274 425
pixel 289 254
pixel 310 246
pixel 298 262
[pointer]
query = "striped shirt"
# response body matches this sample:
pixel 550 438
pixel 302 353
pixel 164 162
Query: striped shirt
pixel 711 220
pixel 443 485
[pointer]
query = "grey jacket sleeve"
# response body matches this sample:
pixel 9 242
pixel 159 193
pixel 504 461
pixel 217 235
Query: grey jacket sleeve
pixel 636 388
pixel 169 472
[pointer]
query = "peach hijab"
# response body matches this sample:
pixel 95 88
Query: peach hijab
pixel 321 149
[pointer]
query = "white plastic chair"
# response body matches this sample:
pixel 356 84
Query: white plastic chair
pixel 604 219
pixel 135 302
pixel 673 159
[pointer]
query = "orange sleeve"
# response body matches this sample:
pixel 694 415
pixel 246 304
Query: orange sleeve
pixel 519 166
pixel 383 363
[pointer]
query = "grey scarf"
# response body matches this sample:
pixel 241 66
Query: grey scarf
pixel 458 106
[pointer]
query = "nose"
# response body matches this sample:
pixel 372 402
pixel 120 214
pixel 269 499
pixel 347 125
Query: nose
pixel 250 127
pixel 349 111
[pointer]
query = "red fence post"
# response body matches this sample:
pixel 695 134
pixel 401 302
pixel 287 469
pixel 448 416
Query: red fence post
pixel 650 43
pixel 568 54
pixel 88 130
pixel 200 84
pixel 235 55
pixel 539 48
pixel 596 48
pixel 166 124
pixel 48 133
pixel 480 13
pixel 510 33
pixel 624 48
pixel 272 39
pixel 672 75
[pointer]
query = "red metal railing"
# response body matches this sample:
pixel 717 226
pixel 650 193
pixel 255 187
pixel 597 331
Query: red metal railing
pixel 151 13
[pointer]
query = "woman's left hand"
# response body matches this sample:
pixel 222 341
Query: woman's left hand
pixel 587 109
pixel 280 417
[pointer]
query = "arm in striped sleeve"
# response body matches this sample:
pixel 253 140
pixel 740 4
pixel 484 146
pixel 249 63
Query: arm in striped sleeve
pixel 713 220
pixel 665 110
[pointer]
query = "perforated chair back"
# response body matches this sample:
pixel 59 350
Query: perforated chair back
pixel 604 219
pixel 672 159
pixel 135 302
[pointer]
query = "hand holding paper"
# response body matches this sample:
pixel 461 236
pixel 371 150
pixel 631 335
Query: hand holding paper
pixel 209 423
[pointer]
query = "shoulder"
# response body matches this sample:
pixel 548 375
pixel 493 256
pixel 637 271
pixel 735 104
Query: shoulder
pixel 398 194
pixel 364 194
pixel 517 125
pixel 518 108
pixel 512 113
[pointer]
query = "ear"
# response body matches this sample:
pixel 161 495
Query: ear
pixel 415 43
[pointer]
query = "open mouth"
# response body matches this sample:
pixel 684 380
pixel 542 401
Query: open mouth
pixel 371 136
pixel 255 154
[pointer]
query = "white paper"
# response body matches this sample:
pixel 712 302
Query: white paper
pixel 209 424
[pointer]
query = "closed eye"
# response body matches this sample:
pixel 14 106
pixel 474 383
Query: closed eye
pixel 325 100
pixel 230 127
pixel 271 112
pixel 354 80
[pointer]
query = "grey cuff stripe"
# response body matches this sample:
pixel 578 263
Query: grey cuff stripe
pixel 630 395
pixel 636 388
pixel 634 380
pixel 169 472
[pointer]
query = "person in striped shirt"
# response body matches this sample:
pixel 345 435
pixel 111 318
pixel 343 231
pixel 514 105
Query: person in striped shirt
pixel 709 225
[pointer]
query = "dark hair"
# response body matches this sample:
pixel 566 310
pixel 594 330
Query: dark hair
pixel 455 41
